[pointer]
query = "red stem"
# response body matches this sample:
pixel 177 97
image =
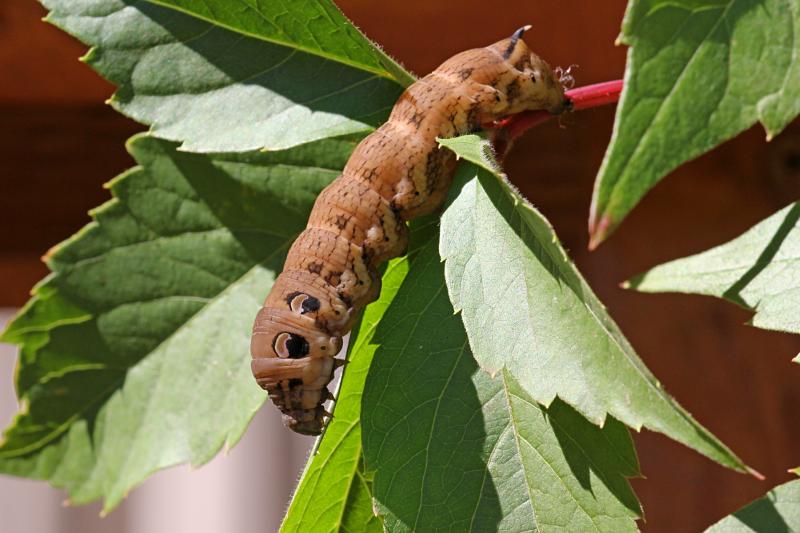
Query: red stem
pixel 581 98
pixel 595 95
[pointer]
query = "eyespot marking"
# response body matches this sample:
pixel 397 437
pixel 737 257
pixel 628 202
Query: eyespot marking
pixel 310 305
pixel 302 303
pixel 290 345
pixel 295 300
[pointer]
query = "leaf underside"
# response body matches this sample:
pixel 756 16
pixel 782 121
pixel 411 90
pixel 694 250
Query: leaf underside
pixel 698 73
pixel 129 350
pixel 778 510
pixel 759 270
pixel 138 334
pixel 527 310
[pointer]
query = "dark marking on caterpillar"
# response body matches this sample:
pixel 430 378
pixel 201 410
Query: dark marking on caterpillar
pixel 512 90
pixel 395 174
pixel 345 298
pixel 297 346
pixel 290 345
pixel 369 175
pixel 333 278
pixel 341 221
pixel 416 119
pixel 472 114
pixel 292 297
pixel 521 63
pixel 302 303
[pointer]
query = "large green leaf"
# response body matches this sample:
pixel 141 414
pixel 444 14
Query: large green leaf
pixel 699 72
pixel 313 26
pixel 777 511
pixel 214 89
pixel 134 352
pixel 527 309
pixel 759 270
pixel 455 450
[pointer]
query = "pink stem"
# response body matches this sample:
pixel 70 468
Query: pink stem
pixel 595 95
pixel 507 130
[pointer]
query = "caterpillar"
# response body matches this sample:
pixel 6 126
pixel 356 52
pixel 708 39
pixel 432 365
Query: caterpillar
pixel 395 174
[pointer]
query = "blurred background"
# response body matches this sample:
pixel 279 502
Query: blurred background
pixel 59 143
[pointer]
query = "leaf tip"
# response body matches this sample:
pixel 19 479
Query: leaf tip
pixel 633 283
pixel 50 253
pixel 599 230
pixel 755 473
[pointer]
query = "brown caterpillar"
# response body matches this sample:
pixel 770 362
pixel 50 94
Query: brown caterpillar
pixel 395 174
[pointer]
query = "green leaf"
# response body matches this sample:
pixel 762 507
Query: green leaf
pixel 778 511
pixel 313 26
pixel 527 309
pixel 453 449
pixel 699 72
pixel 134 352
pixel 759 270
pixel 217 90
pixel 335 491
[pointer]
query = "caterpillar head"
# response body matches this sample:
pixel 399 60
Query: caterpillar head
pixel 293 361
pixel 528 83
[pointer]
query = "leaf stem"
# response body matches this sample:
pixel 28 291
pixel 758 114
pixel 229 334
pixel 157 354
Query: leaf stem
pixel 595 95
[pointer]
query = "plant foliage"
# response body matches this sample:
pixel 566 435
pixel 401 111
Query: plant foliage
pixel 759 270
pixel 488 387
pixel 698 73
